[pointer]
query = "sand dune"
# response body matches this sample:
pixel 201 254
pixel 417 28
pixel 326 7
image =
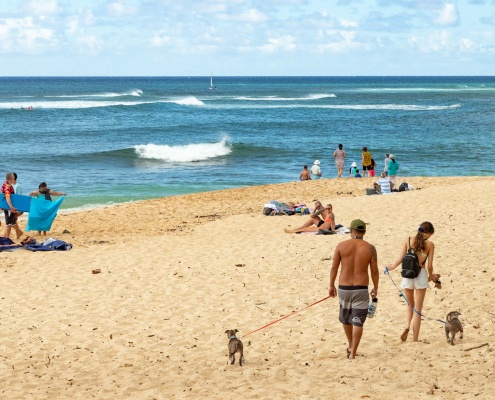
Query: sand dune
pixel 177 272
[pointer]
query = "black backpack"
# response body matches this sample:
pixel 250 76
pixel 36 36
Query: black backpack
pixel 410 264
pixel 403 187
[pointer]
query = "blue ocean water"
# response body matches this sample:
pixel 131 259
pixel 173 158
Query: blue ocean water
pixel 109 140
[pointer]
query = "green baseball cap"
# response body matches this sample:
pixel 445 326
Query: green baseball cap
pixel 358 225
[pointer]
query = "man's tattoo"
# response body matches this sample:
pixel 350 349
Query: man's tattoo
pixel 374 256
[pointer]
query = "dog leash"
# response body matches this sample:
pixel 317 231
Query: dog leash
pixel 387 272
pixel 287 316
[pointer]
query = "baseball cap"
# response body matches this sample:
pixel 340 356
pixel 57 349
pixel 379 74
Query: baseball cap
pixel 358 225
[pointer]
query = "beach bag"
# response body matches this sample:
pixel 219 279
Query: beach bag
pixel 410 264
pixel 403 187
pixel 301 209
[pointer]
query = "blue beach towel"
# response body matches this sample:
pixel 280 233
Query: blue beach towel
pixel 42 214
pixel 59 245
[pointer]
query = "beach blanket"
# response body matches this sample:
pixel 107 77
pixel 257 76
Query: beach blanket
pixel 7 244
pixel 58 245
pixel 49 245
pixel 42 214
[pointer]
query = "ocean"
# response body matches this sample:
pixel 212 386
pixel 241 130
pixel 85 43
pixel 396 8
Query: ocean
pixel 107 140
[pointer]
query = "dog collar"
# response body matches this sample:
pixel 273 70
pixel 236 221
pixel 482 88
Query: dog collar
pixel 232 337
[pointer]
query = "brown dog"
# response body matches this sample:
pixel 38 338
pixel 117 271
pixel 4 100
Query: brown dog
pixel 235 345
pixel 452 326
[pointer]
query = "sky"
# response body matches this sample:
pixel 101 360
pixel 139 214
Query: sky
pixel 246 37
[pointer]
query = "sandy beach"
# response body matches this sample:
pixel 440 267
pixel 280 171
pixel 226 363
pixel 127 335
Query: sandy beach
pixel 177 272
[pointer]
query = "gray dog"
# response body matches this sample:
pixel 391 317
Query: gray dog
pixel 452 326
pixel 235 345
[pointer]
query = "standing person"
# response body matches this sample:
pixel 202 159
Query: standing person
pixel 7 191
pixel 355 255
pixel 316 171
pixel 393 166
pixel 17 190
pixel 385 167
pixel 304 175
pixel 353 169
pixel 372 168
pixel 365 161
pixel 340 156
pixel 43 191
pixel 415 289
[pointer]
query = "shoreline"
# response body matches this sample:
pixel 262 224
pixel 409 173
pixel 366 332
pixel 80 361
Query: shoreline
pixel 181 213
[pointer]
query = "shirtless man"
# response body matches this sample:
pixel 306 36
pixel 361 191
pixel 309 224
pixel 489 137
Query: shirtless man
pixel 355 255
pixel 327 223
pixel 305 175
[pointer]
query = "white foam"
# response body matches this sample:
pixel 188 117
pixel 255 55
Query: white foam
pixel 403 107
pixel 276 98
pixel 133 92
pixel 72 104
pixel 427 89
pixel 188 101
pixel 184 153
pixel 75 104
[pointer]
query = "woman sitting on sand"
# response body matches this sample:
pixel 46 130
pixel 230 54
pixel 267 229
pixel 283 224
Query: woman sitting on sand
pixel 415 289
pixel 327 223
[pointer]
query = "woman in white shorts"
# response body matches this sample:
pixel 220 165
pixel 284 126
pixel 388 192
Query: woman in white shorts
pixel 415 289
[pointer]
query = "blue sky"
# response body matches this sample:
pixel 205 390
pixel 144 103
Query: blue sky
pixel 247 37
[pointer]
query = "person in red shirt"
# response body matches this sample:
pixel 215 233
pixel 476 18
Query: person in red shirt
pixel 10 215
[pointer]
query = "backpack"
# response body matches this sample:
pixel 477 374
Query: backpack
pixel 403 187
pixel 410 264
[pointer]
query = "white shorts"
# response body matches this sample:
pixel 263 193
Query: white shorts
pixel 420 282
pixel 391 178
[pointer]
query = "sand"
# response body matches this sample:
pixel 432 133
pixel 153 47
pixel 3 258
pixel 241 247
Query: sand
pixel 177 272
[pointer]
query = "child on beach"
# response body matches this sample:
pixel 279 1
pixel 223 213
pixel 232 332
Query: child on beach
pixel 353 169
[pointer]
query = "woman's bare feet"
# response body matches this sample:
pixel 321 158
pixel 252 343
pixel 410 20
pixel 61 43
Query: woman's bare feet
pixel 403 337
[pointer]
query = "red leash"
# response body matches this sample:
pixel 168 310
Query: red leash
pixel 287 316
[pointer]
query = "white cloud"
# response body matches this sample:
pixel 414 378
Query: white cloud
pixel 467 44
pixel 251 16
pixel 22 35
pixel 433 43
pixel 448 16
pixel 159 39
pixel 347 23
pixel 41 7
pixel 89 43
pixel 120 8
pixel 341 41
pixel 282 43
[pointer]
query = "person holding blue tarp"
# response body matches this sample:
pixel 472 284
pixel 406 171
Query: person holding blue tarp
pixel 43 211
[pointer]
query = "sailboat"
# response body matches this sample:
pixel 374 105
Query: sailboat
pixel 212 86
